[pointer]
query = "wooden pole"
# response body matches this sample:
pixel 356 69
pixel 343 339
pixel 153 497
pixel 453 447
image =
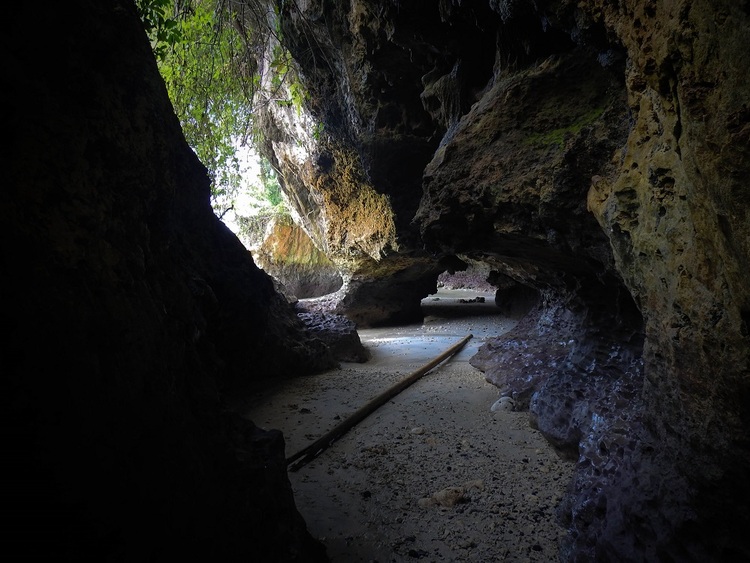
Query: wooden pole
pixel 313 450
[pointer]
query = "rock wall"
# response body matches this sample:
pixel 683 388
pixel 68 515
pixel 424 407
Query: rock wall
pixel 677 217
pixel 334 202
pixel 595 152
pixel 289 255
pixel 130 312
pixel 354 193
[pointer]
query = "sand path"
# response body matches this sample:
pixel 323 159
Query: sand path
pixel 433 475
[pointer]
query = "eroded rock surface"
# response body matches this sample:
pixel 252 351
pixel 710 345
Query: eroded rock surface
pixel 290 256
pixel 338 332
pixel 596 153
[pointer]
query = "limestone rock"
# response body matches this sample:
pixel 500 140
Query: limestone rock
pixel 503 404
pixel 290 256
pixel 594 152
pixel 451 496
pixel 338 333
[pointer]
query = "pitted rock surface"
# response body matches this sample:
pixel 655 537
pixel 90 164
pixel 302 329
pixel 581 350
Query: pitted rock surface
pixel 338 333
pixel 598 156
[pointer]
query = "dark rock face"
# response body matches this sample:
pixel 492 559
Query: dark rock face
pixel 597 153
pixel 512 175
pixel 676 216
pixel 339 333
pixel 131 310
pixel 389 292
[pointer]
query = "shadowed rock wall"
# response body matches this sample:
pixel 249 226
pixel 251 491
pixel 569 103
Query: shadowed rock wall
pixel 129 310
pixel 677 217
pixel 595 152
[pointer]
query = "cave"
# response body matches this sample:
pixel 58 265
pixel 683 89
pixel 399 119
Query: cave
pixel 591 157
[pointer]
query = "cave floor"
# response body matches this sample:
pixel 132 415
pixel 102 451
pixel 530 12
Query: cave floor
pixel 369 497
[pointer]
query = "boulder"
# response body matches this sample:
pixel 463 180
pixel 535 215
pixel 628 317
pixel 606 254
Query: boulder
pixel 338 333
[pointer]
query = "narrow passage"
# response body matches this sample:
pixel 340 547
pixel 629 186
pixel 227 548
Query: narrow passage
pixel 433 475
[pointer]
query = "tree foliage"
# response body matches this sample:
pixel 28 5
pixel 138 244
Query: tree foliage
pixel 203 60
pixel 160 23
pixel 270 184
pixel 210 55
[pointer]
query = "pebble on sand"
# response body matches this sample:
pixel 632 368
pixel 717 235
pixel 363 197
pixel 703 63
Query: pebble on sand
pixel 503 404
pixel 451 496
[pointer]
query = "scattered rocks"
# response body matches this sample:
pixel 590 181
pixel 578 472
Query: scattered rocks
pixel 478 299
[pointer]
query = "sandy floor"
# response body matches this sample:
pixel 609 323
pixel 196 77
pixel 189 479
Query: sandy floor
pixel 434 474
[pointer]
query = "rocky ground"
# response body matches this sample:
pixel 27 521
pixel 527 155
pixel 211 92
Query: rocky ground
pixel 442 472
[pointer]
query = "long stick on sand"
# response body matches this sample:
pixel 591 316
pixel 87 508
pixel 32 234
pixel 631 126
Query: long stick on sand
pixel 313 450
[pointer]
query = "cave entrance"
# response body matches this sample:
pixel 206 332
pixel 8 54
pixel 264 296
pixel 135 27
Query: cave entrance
pixel 469 293
pixel 261 218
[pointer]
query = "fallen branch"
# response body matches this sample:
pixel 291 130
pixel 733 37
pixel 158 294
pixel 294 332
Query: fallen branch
pixel 316 448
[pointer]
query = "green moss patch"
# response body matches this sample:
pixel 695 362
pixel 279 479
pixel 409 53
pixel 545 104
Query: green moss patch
pixel 558 136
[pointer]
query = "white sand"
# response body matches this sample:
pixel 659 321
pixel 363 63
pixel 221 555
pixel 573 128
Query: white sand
pixel 369 497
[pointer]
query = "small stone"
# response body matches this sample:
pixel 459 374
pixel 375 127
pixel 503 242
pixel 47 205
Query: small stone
pixel 475 484
pixel 426 502
pixel 449 497
pixel 503 404
pixel 417 430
